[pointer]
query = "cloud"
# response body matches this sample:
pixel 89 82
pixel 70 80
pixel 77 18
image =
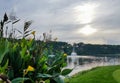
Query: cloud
pixel 59 16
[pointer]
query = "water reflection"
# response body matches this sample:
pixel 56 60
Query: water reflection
pixel 80 63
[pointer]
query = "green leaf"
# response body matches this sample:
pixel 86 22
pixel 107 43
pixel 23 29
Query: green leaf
pixel 47 81
pixel 59 79
pixel 19 80
pixel 44 75
pixel 66 71
pixel 11 73
pixel 4 61
pixel 24 49
pixel 3 49
pixel 57 61
pixel 4 67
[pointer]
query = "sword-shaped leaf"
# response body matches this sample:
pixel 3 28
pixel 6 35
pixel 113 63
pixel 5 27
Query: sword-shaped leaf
pixel 27 24
pixel 16 21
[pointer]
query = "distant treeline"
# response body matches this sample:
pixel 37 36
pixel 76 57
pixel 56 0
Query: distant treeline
pixel 84 49
pixel 80 48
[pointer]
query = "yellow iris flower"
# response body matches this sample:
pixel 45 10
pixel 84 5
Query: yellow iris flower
pixel 64 54
pixel 30 68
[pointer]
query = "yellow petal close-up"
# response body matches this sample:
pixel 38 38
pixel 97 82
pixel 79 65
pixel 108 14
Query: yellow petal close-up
pixel 30 68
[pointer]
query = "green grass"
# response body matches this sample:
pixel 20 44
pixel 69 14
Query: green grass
pixel 116 75
pixel 106 74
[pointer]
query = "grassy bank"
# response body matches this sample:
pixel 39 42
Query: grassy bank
pixel 107 74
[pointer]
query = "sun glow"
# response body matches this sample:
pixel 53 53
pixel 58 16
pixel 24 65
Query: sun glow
pixel 87 30
pixel 85 13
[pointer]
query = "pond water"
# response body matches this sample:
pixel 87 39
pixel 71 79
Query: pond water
pixel 83 62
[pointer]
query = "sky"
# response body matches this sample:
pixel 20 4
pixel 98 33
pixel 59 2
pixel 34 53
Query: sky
pixel 88 21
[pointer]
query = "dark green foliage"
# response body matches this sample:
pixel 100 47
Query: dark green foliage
pixel 94 49
pixel 4 45
pixel 66 71
pixel 16 57
pixel 19 80
pixel 85 49
pixel 59 46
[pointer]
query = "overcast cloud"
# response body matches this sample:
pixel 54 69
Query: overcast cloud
pixel 61 17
